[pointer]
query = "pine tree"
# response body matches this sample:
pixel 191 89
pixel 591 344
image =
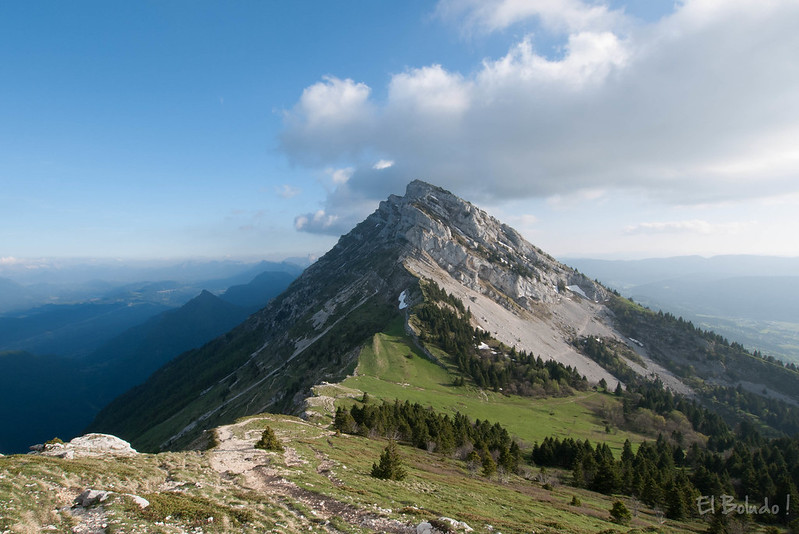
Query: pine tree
pixel 489 465
pixel 675 505
pixel 472 461
pixel 578 478
pixel 619 513
pixel 344 422
pixel 390 466
pixel 627 455
pixel 607 479
pixel 269 441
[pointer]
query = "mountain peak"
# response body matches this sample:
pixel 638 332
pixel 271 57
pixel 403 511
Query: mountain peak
pixel 476 249
pixel 420 189
pixel 314 330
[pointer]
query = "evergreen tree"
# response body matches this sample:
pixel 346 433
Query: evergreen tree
pixel 578 478
pixel 390 466
pixel 675 505
pixel 619 513
pixel 607 479
pixel 489 465
pixel 269 441
pixel 344 422
pixel 473 461
pixel 627 454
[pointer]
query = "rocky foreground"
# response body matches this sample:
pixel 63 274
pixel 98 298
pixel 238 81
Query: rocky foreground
pixel 97 484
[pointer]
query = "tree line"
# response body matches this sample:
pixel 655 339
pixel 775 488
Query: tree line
pixel 427 429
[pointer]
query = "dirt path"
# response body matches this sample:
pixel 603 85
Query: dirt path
pixel 258 471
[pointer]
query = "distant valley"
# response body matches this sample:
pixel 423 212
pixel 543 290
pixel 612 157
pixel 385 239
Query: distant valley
pixel 61 363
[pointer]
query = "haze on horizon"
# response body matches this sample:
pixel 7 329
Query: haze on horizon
pixel 614 129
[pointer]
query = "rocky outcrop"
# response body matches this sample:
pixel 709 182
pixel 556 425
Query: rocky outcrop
pixel 476 249
pixel 90 445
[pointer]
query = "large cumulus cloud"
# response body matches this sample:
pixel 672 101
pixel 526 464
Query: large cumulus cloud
pixel 699 106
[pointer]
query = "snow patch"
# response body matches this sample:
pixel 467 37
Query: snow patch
pixel 402 303
pixel 578 290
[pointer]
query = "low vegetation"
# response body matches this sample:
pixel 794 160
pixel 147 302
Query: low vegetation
pixel 269 441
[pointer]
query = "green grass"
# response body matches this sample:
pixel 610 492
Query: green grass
pixel 391 367
pixel 438 485
pixel 324 466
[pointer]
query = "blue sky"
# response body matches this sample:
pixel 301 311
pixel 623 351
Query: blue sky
pixel 266 129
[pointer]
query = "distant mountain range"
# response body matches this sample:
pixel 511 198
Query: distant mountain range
pixel 749 299
pixel 59 364
pixel 25 285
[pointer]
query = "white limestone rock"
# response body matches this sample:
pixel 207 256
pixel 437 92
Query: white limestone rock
pixel 90 445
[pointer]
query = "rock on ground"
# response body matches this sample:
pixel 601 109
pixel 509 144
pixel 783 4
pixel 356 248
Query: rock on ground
pixel 92 445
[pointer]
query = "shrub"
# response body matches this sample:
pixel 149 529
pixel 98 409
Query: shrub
pixel 269 441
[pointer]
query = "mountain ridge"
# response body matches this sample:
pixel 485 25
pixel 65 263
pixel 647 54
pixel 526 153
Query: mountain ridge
pixel 521 296
pixel 308 335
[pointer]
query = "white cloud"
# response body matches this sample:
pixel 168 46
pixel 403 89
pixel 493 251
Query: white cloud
pixel 287 191
pixel 383 164
pixel 694 226
pixel 333 101
pixel 429 91
pixel 555 15
pixel 340 176
pixel 699 107
pixel 332 117
pixel 318 221
pixel 589 57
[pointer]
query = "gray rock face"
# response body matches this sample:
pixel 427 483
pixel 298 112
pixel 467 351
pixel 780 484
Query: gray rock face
pixel 474 247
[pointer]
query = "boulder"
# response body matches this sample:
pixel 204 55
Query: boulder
pixel 91 497
pixel 457 525
pixel 141 502
pixel 90 445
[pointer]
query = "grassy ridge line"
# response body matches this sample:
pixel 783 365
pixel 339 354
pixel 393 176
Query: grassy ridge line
pixel 438 485
pixel 391 367
pixel 37 491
